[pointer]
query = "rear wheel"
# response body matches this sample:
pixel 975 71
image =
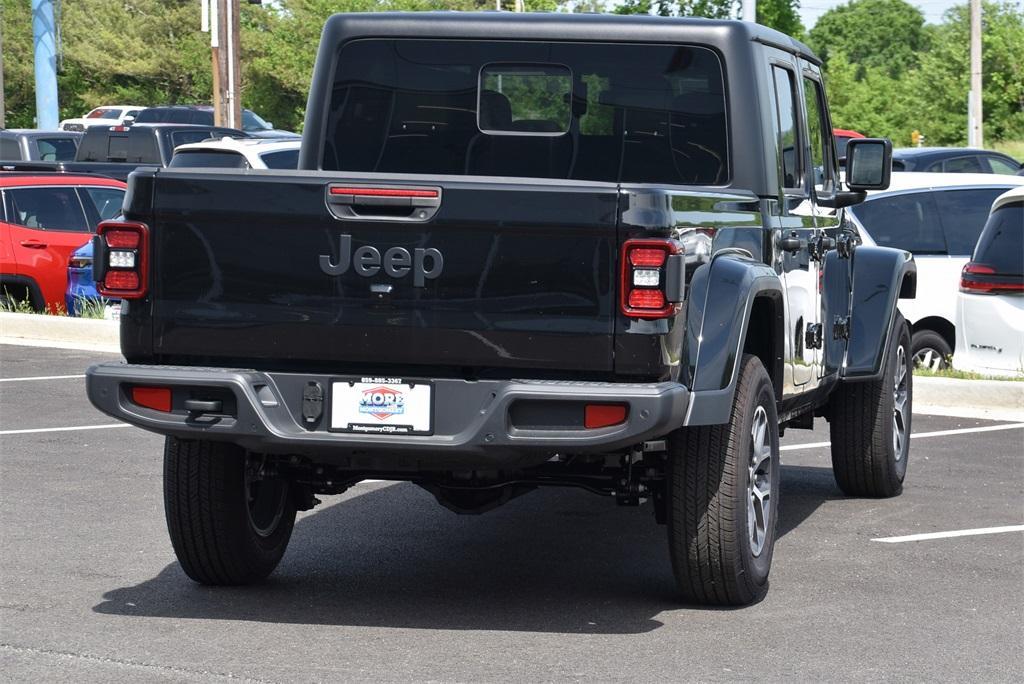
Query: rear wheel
pixel 723 484
pixel 228 522
pixel 931 351
pixel 870 422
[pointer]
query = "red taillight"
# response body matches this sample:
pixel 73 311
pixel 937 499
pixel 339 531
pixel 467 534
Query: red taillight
pixel 650 286
pixel 647 256
pixel 156 398
pixel 123 271
pixel 604 415
pixel 983 279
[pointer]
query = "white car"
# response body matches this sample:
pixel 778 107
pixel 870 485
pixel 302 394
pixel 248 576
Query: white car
pixel 111 115
pixel 239 153
pixel 990 305
pixel 938 217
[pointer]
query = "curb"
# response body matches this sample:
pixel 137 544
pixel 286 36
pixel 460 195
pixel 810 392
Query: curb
pixel 60 331
pixel 992 399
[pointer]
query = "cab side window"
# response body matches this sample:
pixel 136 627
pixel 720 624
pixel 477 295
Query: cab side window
pixel 820 134
pixel 785 126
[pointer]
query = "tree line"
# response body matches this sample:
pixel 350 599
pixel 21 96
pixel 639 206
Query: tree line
pixel 887 71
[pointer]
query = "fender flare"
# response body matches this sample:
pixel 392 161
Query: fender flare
pixel 881 276
pixel 722 296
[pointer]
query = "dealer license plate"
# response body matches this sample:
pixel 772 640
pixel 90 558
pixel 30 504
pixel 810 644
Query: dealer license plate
pixel 387 406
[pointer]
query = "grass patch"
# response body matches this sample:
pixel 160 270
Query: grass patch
pixel 1014 148
pixel 961 375
pixel 9 304
pixel 91 307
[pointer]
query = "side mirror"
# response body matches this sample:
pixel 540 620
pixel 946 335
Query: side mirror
pixel 868 163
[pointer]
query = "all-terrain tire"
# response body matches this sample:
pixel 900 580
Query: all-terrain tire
pixel 226 527
pixel 870 437
pixel 930 350
pixel 710 530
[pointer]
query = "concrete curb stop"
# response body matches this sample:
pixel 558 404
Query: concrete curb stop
pixel 986 399
pixel 60 331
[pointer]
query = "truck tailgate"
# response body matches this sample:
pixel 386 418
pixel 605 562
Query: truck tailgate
pixel 263 266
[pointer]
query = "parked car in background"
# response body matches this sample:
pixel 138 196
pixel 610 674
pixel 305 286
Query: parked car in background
pixel 27 144
pixel 43 219
pixel 109 115
pixel 203 115
pixel 116 151
pixel 938 217
pixel 231 153
pixel 843 136
pixel 81 291
pixel 990 304
pixel 953 160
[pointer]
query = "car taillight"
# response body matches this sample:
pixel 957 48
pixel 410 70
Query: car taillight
pixel 79 262
pixel 652 273
pixel 121 250
pixel 978 278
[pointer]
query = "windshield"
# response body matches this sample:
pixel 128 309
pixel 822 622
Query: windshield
pixel 252 122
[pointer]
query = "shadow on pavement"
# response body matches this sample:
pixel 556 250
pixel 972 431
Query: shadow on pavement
pixel 556 561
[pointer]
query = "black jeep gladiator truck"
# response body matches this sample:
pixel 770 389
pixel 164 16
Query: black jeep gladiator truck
pixel 519 251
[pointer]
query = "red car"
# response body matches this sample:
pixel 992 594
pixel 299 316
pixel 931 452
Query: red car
pixel 43 219
pixel 843 136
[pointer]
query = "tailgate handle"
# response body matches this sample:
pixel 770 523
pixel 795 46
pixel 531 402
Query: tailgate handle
pixel 383 203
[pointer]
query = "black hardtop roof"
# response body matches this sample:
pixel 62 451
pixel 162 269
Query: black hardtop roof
pixel 556 26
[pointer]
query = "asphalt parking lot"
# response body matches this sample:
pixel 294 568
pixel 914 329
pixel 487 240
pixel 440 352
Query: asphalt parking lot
pixel 383 584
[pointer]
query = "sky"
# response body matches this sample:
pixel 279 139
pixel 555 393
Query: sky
pixel 810 10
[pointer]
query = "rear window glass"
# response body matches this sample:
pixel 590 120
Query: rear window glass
pixel 615 113
pixel 964 213
pixel 286 159
pixel 185 137
pixel 909 222
pixel 1001 244
pixel 54 208
pixel 56 149
pixel 208 159
pixel 117 147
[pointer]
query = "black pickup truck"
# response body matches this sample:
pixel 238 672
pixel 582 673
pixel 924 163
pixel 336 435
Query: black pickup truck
pixel 116 151
pixel 519 251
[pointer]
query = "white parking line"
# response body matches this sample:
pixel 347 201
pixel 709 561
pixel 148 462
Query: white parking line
pixel 917 435
pixel 953 533
pixel 42 377
pixel 66 429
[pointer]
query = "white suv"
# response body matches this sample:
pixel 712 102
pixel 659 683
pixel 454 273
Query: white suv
pixel 990 306
pixel 938 217
pixel 239 153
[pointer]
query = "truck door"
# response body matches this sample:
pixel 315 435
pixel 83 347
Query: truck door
pixel 796 233
pixel 833 283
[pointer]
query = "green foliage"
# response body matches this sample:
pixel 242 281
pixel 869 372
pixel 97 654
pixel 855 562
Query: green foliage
pixel 885 34
pixel 930 92
pixel 713 9
pixel 781 15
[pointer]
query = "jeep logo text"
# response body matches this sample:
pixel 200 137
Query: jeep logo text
pixel 425 264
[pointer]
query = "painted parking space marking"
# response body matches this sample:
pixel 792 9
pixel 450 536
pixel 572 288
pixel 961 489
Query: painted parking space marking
pixel 918 435
pixel 105 426
pixel 43 377
pixel 952 533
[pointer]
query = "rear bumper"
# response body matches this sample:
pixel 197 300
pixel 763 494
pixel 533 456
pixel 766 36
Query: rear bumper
pixel 472 423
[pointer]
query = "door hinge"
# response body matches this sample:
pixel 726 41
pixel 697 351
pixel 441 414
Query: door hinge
pixel 841 328
pixel 845 244
pixel 819 246
pixel 812 337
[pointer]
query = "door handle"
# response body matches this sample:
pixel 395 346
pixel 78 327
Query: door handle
pixel 33 244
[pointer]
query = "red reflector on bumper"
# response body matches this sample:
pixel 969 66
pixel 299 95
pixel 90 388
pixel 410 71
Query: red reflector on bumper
pixel 604 415
pixel 156 398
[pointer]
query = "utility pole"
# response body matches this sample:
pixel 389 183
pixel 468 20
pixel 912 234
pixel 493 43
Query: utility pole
pixel 749 10
pixel 975 137
pixel 43 32
pixel 221 19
